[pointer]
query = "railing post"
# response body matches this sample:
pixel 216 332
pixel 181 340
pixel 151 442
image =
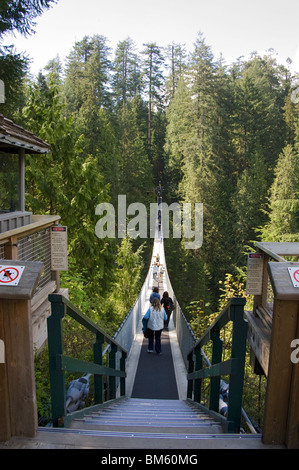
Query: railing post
pixel 123 379
pixel 190 370
pixel 98 359
pixel 281 415
pixel 197 382
pixel 238 351
pixel 216 358
pixel 112 364
pixel 57 377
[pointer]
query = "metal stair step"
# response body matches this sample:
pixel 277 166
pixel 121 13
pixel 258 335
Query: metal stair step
pixel 136 417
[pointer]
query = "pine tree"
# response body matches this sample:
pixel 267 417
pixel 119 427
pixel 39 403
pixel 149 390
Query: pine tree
pixel 88 74
pixel 20 15
pixel 283 222
pixel 126 79
pixel 135 176
pixel 177 64
pixel 154 81
pixel 66 181
pixel 127 278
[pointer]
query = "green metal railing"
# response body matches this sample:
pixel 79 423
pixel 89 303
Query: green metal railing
pixel 59 363
pixel 234 367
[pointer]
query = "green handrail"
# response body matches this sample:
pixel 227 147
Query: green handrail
pixel 59 363
pixel 234 367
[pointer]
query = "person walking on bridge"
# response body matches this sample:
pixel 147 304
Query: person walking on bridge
pixel 156 316
pixel 155 295
pixel 167 303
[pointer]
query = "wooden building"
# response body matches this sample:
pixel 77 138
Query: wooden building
pixel 25 239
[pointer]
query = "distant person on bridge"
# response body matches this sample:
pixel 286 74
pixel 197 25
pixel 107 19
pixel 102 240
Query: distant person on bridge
pixel 167 303
pixel 155 271
pixel 156 316
pixel 155 295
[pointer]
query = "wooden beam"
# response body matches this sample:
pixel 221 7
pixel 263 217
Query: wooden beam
pixel 292 439
pixel 5 429
pixel 22 180
pixel 284 330
pixel 19 385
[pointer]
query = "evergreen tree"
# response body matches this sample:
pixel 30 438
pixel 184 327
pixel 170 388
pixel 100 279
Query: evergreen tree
pixel 177 64
pixel 127 280
pixel 66 181
pixel 88 75
pixel 283 222
pixel 135 176
pixel 126 79
pixel 19 15
pixel 249 202
pixel 154 81
pixel 88 100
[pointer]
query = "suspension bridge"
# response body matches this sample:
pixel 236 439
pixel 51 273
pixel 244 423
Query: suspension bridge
pixel 151 401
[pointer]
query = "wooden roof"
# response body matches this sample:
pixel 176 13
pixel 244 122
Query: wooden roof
pixel 14 137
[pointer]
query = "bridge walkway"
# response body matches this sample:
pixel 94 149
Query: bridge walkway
pixel 154 414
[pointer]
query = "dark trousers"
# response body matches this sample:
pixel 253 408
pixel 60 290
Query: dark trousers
pixel 157 337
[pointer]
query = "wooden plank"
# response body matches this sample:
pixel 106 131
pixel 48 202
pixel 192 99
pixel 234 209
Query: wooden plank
pixel 20 366
pixel 292 439
pixel 284 329
pixel 28 282
pixel 39 222
pixel 281 281
pixel 259 339
pixel 277 249
pixel 5 430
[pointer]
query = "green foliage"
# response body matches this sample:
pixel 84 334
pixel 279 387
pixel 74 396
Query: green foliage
pixel 16 16
pixel 20 15
pixel 283 222
pixel 127 280
pixel 227 137
pixel 42 383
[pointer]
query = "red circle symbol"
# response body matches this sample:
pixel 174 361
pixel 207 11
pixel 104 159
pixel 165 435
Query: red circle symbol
pixel 10 275
pixel 296 275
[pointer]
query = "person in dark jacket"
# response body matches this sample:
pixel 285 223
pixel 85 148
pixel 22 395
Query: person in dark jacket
pixel 155 294
pixel 167 303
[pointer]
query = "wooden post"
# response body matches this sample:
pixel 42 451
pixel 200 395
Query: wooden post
pixel 5 428
pixel 98 359
pixel 281 417
pixel 11 248
pixel 22 180
pixel 18 410
pixel 292 439
pixel 17 380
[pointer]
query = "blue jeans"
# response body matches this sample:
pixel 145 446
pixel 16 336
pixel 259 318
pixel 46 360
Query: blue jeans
pixel 157 337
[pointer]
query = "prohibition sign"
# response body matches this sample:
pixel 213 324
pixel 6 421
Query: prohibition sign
pixel 294 273
pixel 11 275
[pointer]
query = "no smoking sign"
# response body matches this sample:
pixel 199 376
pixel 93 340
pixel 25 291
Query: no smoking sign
pixel 294 273
pixel 10 275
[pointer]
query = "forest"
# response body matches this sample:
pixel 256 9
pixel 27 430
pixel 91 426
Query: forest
pixel 123 122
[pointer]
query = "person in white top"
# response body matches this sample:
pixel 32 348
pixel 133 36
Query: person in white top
pixel 155 316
